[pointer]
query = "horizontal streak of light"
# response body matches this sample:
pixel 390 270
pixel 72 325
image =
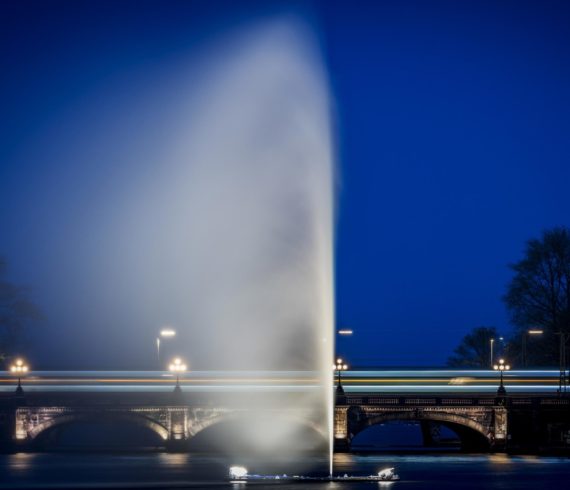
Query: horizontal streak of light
pixel 360 372
pixel 169 381
pixel 348 382
pixel 444 380
pixel 198 373
pixel 162 388
pixel 446 387
pixel 450 372
pixel 411 389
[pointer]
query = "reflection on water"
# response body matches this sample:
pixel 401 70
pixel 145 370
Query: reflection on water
pixel 500 459
pixel 22 462
pixel 437 471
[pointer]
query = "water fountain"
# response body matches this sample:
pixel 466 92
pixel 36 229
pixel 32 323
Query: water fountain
pixel 224 228
pixel 254 189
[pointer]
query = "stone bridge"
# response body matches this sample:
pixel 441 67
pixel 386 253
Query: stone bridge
pixel 28 422
pixel 173 424
pixel 480 427
pixel 481 422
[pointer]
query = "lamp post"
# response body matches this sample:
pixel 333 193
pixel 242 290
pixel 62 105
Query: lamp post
pixel 177 367
pixel 491 341
pixel 344 335
pixel 563 381
pixel 339 367
pixel 20 369
pixel 524 342
pixel 164 333
pixel 501 367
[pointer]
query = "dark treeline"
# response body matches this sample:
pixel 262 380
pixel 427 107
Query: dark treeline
pixel 538 301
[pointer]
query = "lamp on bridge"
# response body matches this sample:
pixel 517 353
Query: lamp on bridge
pixel 501 367
pixel 177 367
pixel 340 366
pixel 167 333
pixel 19 369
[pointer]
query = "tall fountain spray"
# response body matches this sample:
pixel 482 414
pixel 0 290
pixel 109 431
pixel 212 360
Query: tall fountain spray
pixel 234 224
pixel 196 191
pixel 258 210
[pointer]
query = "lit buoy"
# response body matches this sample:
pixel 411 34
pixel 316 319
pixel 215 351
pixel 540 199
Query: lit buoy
pixel 237 472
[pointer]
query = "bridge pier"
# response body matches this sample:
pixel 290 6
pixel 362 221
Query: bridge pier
pixel 178 430
pixel 430 433
pixel 341 437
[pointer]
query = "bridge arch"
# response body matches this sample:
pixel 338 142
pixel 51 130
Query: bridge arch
pixel 222 416
pixel 244 424
pixel 43 429
pixel 473 435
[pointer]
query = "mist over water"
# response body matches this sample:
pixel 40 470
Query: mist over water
pixel 196 192
pixel 224 228
pixel 253 204
pixel 258 216
pixel 238 230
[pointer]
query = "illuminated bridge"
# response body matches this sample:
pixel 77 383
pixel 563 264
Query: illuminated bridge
pixel 532 417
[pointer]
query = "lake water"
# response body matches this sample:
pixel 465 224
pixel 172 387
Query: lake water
pixel 161 470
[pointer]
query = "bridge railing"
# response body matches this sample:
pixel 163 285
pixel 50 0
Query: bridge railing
pixel 465 401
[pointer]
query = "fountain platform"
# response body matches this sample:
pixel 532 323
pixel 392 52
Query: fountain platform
pixel 312 479
pixel 240 475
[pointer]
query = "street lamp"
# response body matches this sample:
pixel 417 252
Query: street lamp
pixel 19 369
pixel 563 380
pixel 524 341
pixel 166 333
pixel 339 367
pixel 501 367
pixel 177 367
pixel 491 341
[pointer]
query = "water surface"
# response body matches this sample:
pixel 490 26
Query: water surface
pixel 98 470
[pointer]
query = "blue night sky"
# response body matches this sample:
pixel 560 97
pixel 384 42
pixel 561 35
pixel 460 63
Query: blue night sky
pixel 452 124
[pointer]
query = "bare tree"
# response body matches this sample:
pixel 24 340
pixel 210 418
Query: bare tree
pixel 538 296
pixel 474 351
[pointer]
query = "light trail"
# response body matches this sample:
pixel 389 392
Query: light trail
pixel 389 381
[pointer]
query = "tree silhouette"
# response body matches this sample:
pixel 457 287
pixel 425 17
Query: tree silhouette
pixel 538 296
pixel 16 311
pixel 474 351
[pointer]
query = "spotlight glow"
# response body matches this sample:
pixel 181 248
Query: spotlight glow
pixel 237 472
